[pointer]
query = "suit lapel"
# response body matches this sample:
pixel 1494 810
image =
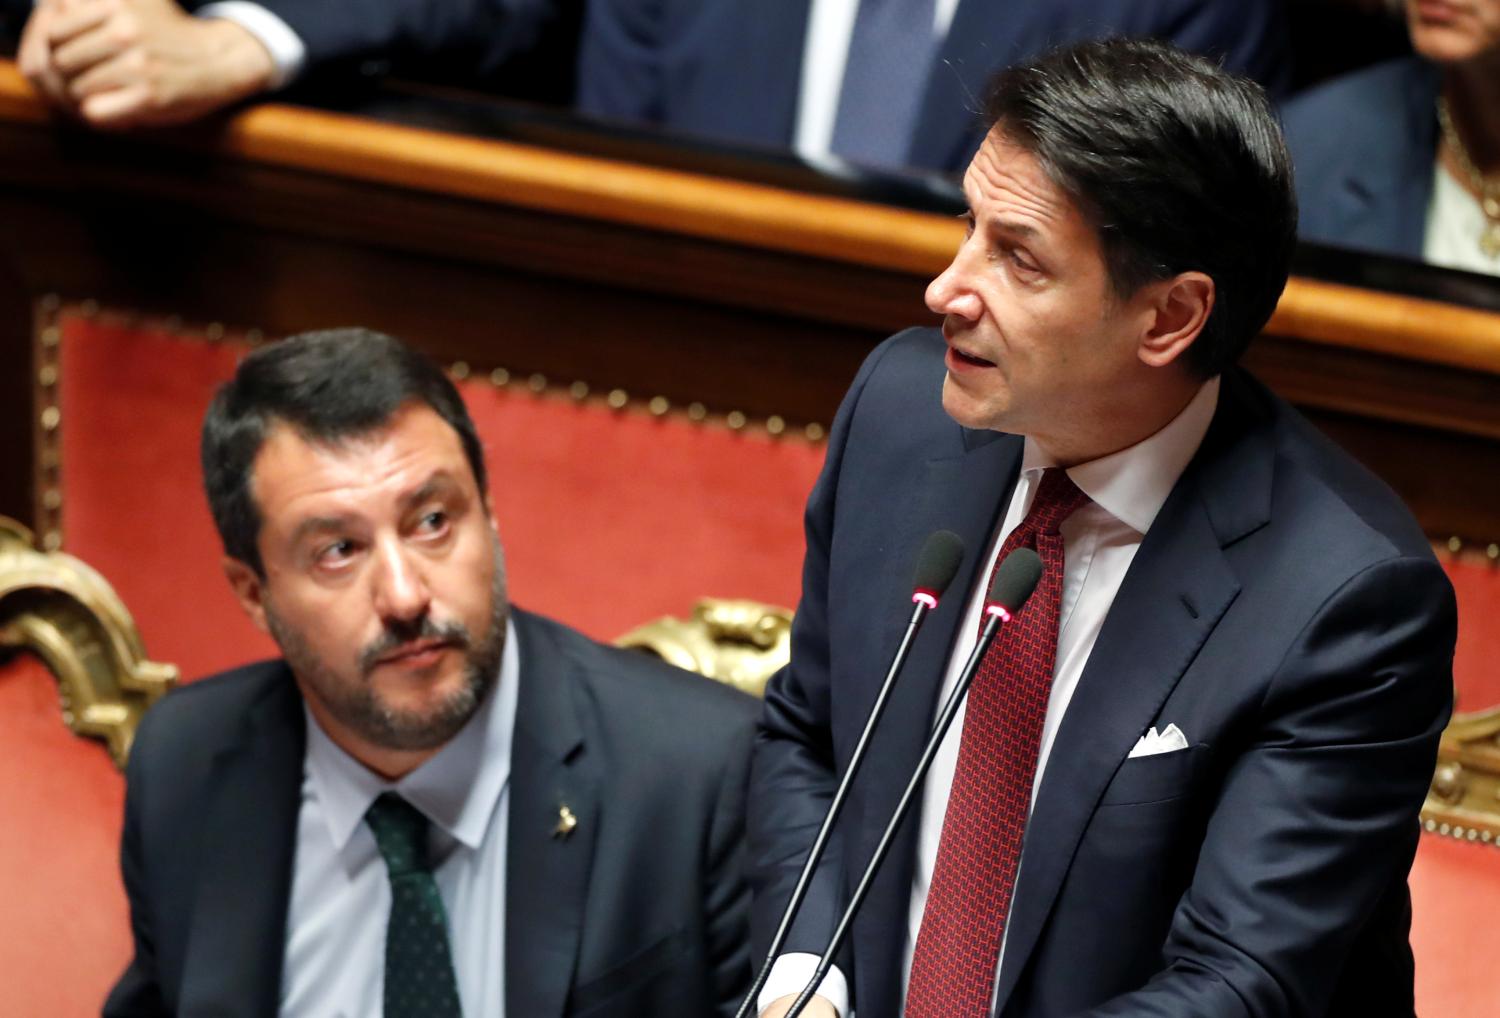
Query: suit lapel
pixel 1178 587
pixel 966 494
pixel 238 926
pixel 546 874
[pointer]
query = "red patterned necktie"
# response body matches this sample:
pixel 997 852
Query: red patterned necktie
pixel 958 945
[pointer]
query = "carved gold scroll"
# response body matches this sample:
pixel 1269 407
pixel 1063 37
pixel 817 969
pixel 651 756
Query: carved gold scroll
pixel 66 613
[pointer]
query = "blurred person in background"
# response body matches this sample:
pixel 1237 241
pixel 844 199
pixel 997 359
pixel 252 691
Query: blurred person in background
pixel 141 63
pixel 881 83
pixel 1404 158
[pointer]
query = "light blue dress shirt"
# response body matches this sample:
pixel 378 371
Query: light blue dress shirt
pixel 341 898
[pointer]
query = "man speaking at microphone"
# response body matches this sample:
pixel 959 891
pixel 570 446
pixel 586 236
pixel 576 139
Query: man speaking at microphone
pixel 1187 778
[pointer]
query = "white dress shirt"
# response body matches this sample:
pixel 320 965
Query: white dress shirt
pixel 1455 221
pixel 1127 489
pixel 830 26
pixel 288 53
pixel 341 893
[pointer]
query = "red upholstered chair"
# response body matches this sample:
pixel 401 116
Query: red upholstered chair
pixel 1455 887
pixel 1455 881
pixel 69 658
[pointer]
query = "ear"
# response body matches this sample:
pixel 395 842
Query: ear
pixel 249 588
pixel 1181 308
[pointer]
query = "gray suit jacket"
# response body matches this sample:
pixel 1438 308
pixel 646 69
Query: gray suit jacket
pixel 642 911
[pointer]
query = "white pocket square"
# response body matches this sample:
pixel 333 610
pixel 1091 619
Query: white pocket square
pixel 1169 740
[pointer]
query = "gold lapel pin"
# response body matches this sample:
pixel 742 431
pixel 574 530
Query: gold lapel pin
pixel 566 821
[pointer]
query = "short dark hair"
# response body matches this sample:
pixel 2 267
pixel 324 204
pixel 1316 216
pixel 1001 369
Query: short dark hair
pixel 329 385
pixel 1178 164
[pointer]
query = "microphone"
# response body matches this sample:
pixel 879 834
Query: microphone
pixel 1013 583
pixel 937 564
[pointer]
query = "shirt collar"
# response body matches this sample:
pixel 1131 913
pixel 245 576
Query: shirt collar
pixel 1133 484
pixel 458 788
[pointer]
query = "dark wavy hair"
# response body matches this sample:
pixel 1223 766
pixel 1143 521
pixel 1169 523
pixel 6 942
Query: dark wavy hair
pixel 1178 164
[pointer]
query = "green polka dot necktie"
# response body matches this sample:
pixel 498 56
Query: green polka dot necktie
pixel 419 980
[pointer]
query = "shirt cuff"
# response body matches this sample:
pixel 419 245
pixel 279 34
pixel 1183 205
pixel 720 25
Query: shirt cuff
pixel 791 973
pixel 288 53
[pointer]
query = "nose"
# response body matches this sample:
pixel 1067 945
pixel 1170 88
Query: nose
pixel 952 292
pixel 400 591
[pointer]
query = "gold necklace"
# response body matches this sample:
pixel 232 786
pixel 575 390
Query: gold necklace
pixel 1488 190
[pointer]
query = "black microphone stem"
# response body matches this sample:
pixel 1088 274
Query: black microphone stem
pixel 918 612
pixel 887 839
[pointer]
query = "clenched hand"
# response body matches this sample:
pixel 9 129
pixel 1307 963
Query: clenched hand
pixel 130 63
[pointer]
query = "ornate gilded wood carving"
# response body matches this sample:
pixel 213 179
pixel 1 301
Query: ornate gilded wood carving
pixel 1464 800
pixel 741 643
pixel 68 615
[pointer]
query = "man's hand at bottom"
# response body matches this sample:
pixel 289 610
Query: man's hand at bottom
pixel 816 1008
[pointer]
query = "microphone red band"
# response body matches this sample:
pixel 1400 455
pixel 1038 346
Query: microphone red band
pixel 926 597
pixel 998 610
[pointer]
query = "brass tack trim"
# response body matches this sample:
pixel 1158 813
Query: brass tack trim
pixel 51 418
pixel 1455 545
pixel 459 371
pixel 47 376
pixel 814 432
pixel 537 383
pixel 214 331
pixel 617 399
pixel 658 406
pixel 775 425
pixel 500 377
pixel 697 411
pixel 735 420
pixel 579 391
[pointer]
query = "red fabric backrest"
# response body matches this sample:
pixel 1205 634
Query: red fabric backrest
pixel 1455 890
pixel 609 518
pixel 64 931
pixel 1476 665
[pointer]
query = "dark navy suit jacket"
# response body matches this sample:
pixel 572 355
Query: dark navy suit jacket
pixel 1364 146
pixel 731 69
pixel 1284 611
pixel 642 910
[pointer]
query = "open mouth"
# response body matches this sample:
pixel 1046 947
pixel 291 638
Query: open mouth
pixel 959 360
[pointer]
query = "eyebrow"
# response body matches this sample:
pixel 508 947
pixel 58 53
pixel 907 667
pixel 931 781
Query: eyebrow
pixel 1010 226
pixel 438 484
pixel 319 524
pixel 1013 227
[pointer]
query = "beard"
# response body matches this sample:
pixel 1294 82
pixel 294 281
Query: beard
pixel 359 707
